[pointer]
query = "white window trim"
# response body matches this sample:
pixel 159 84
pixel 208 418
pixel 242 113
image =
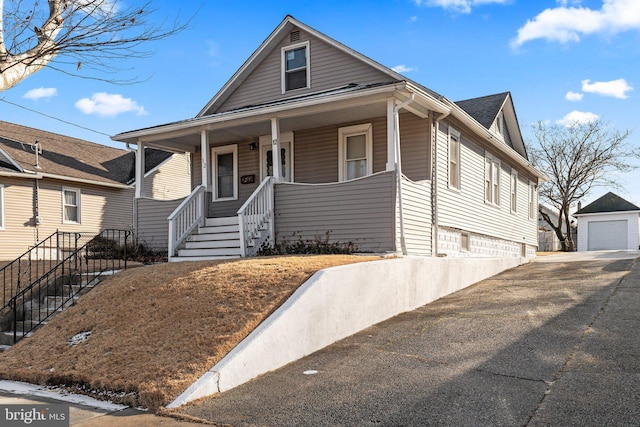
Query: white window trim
pixel 265 141
pixel 513 199
pixel 344 132
pixel 495 163
pixel 225 149
pixel 500 123
pixel 283 65
pixel 455 134
pixel 2 226
pixel 79 204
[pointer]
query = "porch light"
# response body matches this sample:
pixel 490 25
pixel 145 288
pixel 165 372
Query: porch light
pixel 253 146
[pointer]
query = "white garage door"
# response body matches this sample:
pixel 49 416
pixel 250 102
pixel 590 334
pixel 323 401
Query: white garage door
pixel 604 235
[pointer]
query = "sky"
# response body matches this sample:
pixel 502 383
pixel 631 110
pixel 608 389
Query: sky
pixel 562 60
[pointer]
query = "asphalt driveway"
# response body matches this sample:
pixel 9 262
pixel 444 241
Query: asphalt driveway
pixel 554 342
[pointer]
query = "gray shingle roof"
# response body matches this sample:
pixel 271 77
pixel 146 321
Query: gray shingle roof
pixel 484 109
pixel 610 202
pixel 71 157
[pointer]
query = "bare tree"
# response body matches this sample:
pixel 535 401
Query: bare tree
pixel 70 35
pixel 575 159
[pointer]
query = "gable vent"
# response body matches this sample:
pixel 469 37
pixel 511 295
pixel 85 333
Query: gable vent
pixel 294 36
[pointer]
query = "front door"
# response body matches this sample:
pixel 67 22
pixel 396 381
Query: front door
pixel 286 157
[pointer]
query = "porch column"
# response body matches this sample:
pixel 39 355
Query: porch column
pixel 391 135
pixel 275 149
pixel 140 154
pixel 205 154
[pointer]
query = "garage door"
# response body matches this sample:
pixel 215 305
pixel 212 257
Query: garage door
pixel 604 235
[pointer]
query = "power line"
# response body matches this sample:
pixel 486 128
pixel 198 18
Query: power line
pixel 54 118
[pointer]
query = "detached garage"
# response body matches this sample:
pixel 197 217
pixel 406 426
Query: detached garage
pixel 609 223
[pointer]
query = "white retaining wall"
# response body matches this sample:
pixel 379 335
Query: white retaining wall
pixel 336 303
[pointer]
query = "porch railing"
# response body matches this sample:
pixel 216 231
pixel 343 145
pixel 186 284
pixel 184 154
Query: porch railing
pixel 190 214
pixel 256 219
pixel 31 265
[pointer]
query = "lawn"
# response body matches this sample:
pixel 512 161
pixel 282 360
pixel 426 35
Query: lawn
pixel 144 335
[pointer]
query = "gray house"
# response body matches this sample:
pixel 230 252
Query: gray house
pixel 310 139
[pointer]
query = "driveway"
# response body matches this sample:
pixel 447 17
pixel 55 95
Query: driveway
pixel 554 342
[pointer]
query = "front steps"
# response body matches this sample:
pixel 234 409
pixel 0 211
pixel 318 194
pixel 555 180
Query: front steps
pixel 218 239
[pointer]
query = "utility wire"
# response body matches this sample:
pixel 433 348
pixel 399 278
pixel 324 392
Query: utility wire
pixel 54 118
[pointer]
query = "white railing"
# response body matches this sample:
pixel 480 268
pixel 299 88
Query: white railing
pixel 186 217
pixel 256 219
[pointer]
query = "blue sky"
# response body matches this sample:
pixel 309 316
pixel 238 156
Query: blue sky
pixel 559 59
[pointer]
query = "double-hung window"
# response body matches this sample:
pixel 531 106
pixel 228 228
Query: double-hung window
pixel 514 190
pixel 454 159
pixel 225 172
pixel 491 179
pixel 295 67
pixel 355 145
pixel 70 205
pixel 1 207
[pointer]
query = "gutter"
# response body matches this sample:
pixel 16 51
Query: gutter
pixel 85 181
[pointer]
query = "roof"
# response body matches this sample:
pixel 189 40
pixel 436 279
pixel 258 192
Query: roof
pixel 67 157
pixel 484 109
pixel 610 202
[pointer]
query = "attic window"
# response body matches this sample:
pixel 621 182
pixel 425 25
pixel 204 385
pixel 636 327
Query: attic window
pixel 295 67
pixel 500 124
pixel 294 36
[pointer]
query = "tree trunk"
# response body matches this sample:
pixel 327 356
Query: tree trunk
pixel 557 229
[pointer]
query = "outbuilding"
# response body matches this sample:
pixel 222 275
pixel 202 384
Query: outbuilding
pixel 609 223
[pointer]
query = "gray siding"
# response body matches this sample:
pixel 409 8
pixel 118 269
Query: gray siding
pixel 466 209
pixel 152 228
pixel 330 68
pixel 361 211
pixel 416 206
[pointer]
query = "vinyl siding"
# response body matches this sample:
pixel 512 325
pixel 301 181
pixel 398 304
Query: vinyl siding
pixel 152 226
pixel 171 180
pixel 416 204
pixel 100 208
pixel 360 211
pixel 330 68
pixel 466 209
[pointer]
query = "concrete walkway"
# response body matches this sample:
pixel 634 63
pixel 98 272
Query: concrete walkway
pixel 554 342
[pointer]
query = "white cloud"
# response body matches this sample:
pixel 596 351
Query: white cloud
pixel 577 117
pixel 109 105
pixel 574 96
pixel 403 69
pixel 41 92
pixel 615 88
pixel 458 6
pixel 568 23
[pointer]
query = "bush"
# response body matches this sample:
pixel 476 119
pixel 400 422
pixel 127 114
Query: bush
pixel 316 246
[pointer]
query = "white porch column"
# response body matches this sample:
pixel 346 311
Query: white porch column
pixel 391 135
pixel 275 149
pixel 140 154
pixel 205 151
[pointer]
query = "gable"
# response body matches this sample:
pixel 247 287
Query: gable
pixel 331 66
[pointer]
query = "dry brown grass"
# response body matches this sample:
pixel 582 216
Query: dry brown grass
pixel 156 329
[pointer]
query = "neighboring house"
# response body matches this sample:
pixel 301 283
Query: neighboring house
pixel 608 223
pixel 547 239
pixel 311 140
pixel 52 182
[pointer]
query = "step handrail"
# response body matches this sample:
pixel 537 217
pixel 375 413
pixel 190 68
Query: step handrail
pixel 105 252
pixel 190 214
pixel 256 219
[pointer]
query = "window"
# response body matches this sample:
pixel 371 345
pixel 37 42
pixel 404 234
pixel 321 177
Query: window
pixel 295 67
pixel 1 207
pixel 454 159
pixel 225 172
pixel 465 242
pixel 71 206
pixel 355 152
pixel 532 200
pixel 500 124
pixel 514 190
pixel 491 179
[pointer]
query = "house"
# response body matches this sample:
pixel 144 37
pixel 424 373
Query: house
pixel 310 140
pixel 547 239
pixel 608 223
pixel 52 182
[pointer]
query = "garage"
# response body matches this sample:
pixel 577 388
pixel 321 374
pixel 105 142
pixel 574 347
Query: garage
pixel 607 235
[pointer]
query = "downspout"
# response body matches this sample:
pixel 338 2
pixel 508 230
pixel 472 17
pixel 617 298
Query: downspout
pixel 396 122
pixel 434 180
